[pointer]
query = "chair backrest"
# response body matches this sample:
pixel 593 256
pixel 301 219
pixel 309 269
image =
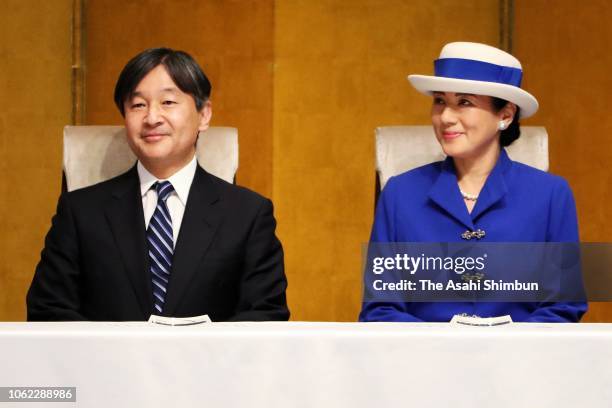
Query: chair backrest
pixel 97 153
pixel 401 148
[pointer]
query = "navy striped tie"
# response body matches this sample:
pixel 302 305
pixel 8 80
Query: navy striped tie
pixel 161 248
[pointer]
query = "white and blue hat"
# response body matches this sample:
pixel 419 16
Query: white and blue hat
pixel 477 69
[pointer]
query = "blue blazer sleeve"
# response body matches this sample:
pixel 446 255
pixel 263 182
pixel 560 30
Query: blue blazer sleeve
pixel 563 227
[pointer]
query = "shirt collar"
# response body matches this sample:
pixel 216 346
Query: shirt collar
pixel 181 180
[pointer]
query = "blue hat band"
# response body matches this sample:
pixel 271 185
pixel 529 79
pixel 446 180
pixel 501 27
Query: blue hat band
pixel 477 71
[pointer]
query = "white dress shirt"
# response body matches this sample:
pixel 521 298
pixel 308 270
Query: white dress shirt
pixel 176 202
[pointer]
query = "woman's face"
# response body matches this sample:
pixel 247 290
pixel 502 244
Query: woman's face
pixel 466 125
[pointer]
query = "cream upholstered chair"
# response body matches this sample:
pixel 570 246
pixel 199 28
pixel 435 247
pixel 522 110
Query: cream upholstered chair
pixel 401 148
pixel 97 153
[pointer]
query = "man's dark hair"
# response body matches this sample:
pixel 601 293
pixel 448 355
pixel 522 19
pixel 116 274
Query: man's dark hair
pixel 513 132
pixel 182 68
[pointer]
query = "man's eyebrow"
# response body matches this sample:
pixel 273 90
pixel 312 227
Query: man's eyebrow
pixel 464 94
pixel 138 93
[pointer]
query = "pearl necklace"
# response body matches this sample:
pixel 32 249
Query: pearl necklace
pixel 468 197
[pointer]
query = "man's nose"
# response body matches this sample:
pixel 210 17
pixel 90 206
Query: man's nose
pixel 153 116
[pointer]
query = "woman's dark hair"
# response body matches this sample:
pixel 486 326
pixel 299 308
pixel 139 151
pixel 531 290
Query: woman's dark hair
pixel 513 131
pixel 182 68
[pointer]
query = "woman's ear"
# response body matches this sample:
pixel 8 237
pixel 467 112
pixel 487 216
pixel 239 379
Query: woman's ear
pixel 507 113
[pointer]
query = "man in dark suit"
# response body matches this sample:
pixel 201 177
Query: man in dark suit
pixel 166 237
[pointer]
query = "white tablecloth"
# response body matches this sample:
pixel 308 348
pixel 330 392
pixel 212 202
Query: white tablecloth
pixel 312 364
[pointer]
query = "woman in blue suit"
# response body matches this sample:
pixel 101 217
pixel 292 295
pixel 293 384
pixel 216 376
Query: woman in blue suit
pixel 477 193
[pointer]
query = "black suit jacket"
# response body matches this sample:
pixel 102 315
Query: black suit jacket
pixel 227 261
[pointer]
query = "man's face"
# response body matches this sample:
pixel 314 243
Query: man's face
pixel 162 123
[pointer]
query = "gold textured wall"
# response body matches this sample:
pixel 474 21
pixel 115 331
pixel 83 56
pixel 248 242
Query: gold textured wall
pixel 232 41
pixel 564 46
pixel 340 69
pixel 35 70
pixel 306 82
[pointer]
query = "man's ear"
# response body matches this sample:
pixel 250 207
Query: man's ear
pixel 205 116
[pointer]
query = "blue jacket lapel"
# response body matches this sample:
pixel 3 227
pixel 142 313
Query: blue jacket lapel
pixel 495 187
pixel 445 193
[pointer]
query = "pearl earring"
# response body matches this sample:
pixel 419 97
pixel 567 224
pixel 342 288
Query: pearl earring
pixel 502 125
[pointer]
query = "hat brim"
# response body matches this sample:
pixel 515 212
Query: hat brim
pixel 523 99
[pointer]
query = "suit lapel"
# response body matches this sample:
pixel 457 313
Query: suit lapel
pixel 126 218
pixel 445 193
pixel 495 187
pixel 200 222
